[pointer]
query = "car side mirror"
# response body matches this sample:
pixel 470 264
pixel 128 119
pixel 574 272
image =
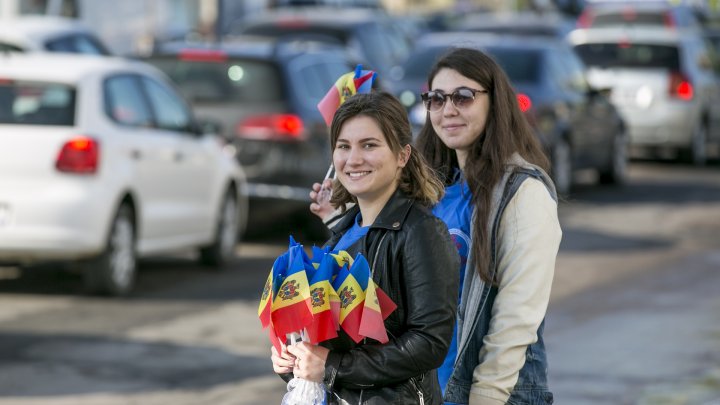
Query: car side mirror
pixel 208 126
pixel 704 62
pixel 604 92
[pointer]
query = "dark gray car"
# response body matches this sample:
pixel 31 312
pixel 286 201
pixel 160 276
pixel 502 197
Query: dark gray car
pixel 262 93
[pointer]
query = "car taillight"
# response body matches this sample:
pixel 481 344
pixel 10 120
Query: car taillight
pixel 680 86
pixel 524 102
pixel 586 19
pixel 669 20
pixel 278 127
pixel 79 155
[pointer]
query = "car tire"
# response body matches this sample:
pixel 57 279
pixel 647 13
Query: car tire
pixel 697 152
pixel 562 166
pixel 113 271
pixel 222 249
pixel 616 171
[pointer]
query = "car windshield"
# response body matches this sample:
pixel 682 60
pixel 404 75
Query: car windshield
pixel 629 55
pixel 629 17
pixel 299 30
pixel 520 65
pixel 234 80
pixel 32 103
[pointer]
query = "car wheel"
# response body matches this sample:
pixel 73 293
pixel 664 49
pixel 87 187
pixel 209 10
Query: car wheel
pixel 699 145
pixel 616 172
pixel 562 167
pixel 222 249
pixel 113 272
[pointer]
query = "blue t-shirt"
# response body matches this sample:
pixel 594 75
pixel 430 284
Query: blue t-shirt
pixel 352 235
pixel 455 209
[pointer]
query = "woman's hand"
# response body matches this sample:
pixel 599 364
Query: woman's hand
pixel 310 361
pixel 320 197
pixel 282 362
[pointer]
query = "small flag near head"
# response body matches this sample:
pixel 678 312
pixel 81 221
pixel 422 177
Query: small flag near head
pixel 359 81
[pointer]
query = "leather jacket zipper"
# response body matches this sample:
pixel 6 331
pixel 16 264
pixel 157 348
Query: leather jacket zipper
pixel 372 273
pixel 421 396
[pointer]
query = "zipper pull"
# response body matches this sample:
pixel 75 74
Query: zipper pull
pixel 422 397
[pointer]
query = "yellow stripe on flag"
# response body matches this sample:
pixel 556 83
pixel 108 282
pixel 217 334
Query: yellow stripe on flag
pixel 320 296
pixel 351 295
pixel 293 290
pixel 266 294
pixel 343 257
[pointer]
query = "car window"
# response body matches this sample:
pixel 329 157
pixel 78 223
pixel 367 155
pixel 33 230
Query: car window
pixel 300 30
pixel 5 47
pixel 236 80
pixel 317 76
pixel 76 44
pixel 31 103
pixel 170 111
pixel 124 101
pixel 521 65
pixel 418 65
pixel 627 54
pixel 575 69
pixel 375 47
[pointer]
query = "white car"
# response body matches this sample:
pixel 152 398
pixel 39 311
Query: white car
pixel 662 82
pixel 101 162
pixel 49 34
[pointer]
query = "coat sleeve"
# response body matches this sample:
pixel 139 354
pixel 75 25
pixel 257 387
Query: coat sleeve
pixel 528 243
pixel 429 261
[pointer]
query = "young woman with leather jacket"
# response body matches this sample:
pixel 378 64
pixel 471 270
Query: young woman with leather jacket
pixel 390 188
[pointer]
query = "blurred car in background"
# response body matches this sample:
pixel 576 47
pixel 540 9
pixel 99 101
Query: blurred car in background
pixel 370 36
pixel 663 83
pixel 49 34
pixel 576 123
pixel 101 162
pixel 520 23
pixel 651 13
pixel 263 94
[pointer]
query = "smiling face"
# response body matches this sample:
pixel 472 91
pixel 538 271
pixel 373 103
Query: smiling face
pixel 365 164
pixel 458 128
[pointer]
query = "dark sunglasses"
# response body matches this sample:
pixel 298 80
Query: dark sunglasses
pixel 460 98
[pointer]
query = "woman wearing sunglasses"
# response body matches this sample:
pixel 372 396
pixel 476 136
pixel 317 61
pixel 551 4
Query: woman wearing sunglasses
pixel 409 251
pixel 501 208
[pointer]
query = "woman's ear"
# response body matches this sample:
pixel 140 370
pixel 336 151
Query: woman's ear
pixel 404 155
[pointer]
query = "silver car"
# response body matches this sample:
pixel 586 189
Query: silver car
pixel 662 82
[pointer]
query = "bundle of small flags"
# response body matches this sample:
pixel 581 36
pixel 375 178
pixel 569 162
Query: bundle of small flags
pixel 317 296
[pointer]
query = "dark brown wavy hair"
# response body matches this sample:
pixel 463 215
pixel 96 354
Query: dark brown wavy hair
pixel 506 132
pixel 417 179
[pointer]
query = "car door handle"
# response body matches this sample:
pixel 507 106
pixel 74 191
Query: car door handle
pixel 178 156
pixel 135 154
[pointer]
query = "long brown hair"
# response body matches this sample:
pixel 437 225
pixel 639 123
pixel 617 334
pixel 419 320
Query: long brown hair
pixel 506 132
pixel 417 179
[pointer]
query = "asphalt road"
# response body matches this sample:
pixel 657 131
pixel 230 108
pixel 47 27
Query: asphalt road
pixel 634 317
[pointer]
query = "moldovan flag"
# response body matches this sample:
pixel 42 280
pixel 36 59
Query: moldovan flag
pixel 291 309
pixel 323 326
pixel 359 81
pixel 352 295
pixel 371 324
pixel 272 285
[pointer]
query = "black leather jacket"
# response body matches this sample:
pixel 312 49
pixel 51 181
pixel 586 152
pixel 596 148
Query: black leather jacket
pixel 415 262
